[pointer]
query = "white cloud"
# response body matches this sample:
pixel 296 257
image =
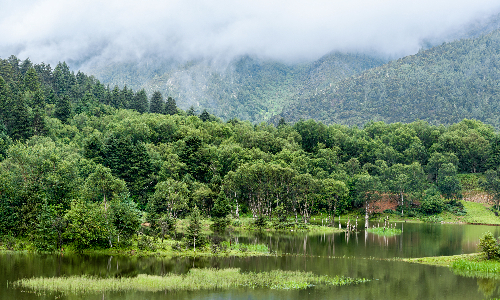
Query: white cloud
pixel 56 30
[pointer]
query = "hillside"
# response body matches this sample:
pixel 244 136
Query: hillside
pixel 246 88
pixel 442 85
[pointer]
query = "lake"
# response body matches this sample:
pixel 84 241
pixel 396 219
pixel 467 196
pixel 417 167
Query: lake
pixel 356 255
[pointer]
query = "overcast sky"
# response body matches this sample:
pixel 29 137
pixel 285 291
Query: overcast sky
pixel 57 30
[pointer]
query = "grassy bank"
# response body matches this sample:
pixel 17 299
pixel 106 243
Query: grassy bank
pixel 477 213
pixel 195 279
pixel 469 265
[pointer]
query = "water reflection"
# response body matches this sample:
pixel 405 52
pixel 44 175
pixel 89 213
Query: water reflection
pixel 357 254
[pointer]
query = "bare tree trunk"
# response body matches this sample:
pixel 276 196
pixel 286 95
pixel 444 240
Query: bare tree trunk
pixel 366 213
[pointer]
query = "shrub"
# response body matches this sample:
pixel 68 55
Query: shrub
pixel 489 245
pixel 146 243
pixel 260 222
pixel 432 202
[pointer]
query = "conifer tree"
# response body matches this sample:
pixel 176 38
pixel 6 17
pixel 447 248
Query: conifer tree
pixel 156 105
pixel 170 106
pixel 31 81
pixel 127 97
pixel 194 237
pixel 116 99
pixel 63 108
pixel 5 96
pixel 191 111
pixel 140 101
pixel 19 120
pixel 205 116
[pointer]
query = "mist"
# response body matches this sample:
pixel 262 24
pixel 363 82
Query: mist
pixel 290 31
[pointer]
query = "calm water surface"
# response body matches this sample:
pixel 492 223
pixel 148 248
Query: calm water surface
pixel 356 255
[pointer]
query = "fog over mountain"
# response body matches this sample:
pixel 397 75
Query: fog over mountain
pixel 289 31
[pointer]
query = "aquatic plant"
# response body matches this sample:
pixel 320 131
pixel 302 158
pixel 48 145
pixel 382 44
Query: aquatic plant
pixel 195 279
pixel 384 231
pixel 477 268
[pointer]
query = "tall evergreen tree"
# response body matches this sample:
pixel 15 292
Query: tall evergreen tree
pixel 191 111
pixel 63 108
pixel 156 105
pixel 205 116
pixel 127 97
pixel 19 120
pixel 63 78
pixel 31 81
pixel 170 106
pixel 140 101
pixel 5 97
pixel 116 99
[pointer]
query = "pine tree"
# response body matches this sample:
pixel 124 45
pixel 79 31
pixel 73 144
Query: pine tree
pixel 194 237
pixel 116 99
pixel 156 106
pixel 170 107
pixel 5 98
pixel 140 102
pixel 19 120
pixel 191 111
pixel 31 81
pixel 63 79
pixel 205 116
pixel 219 213
pixel 127 97
pixel 63 108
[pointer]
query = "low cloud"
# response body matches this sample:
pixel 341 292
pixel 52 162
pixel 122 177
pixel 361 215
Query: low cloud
pixel 94 31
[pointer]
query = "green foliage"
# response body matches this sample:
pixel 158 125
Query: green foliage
pixel 195 280
pixel 89 225
pixel 219 213
pixel 48 235
pixel 170 198
pixel 432 202
pixel 170 106
pixel 491 183
pixel 126 219
pixel 489 246
pixel 260 222
pixel 194 238
pixel 156 104
pixel 455 80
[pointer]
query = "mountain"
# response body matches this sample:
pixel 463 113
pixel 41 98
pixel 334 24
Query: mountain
pixel 441 85
pixel 246 88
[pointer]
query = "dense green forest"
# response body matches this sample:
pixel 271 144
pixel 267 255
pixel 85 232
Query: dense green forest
pixel 246 88
pixel 84 165
pixel 441 85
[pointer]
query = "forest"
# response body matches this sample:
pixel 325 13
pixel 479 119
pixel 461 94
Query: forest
pixel 442 85
pixel 83 164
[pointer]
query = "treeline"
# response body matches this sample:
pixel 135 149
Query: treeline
pixel 247 88
pixel 92 178
pixel 441 85
pixel 29 92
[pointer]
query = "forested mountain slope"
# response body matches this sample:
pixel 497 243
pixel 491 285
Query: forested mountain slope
pixel 442 85
pixel 245 88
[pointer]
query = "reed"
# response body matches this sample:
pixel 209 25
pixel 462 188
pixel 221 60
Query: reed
pixel 195 279
pixel 477 268
pixel 384 231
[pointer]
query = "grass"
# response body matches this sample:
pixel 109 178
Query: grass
pixel 477 213
pixel 195 279
pixel 172 248
pixel 246 224
pixel 384 231
pixel 444 261
pixel 470 265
